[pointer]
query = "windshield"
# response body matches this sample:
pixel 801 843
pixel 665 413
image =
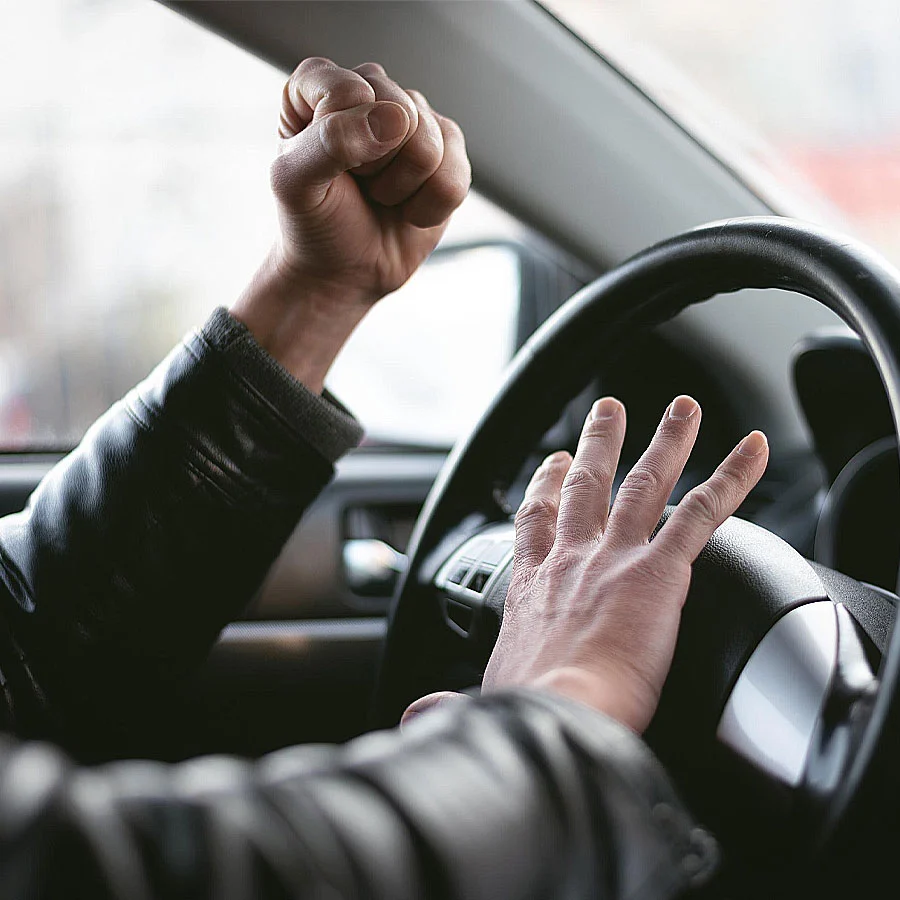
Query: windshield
pixel 803 97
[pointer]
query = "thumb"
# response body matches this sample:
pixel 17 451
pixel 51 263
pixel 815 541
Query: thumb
pixel 336 143
pixel 429 702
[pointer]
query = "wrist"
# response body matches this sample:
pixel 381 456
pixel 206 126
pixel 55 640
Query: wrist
pixel 302 323
pixel 612 697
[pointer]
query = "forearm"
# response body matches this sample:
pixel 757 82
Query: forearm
pixel 300 323
pixel 158 528
pixel 515 796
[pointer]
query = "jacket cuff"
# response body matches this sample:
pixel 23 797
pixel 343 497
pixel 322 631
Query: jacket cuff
pixel 328 426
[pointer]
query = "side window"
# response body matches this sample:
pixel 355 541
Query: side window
pixel 427 359
pixel 134 198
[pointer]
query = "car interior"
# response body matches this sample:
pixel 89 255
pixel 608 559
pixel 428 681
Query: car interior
pixel 780 720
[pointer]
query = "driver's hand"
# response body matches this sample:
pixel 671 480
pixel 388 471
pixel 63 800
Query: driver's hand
pixel 594 605
pixel 366 179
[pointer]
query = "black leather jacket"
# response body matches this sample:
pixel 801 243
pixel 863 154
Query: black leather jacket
pixel 131 556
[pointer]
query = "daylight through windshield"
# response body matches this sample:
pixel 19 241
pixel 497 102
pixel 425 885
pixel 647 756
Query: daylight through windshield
pixel 804 97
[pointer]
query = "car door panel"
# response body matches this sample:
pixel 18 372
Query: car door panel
pixel 301 663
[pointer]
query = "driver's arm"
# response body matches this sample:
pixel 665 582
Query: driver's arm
pixel 156 531
pixel 148 537
pixel 535 789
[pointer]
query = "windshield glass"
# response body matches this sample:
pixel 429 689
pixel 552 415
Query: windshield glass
pixel 802 97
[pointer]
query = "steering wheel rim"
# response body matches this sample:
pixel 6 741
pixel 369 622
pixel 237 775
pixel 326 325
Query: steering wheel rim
pixel 648 289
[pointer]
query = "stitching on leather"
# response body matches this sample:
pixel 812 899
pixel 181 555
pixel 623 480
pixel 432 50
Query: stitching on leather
pixel 274 418
pixel 193 448
pixel 132 414
pixel 191 466
pixel 146 407
pixel 240 484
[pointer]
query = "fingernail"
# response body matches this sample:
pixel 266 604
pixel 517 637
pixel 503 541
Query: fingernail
pixel 753 444
pixel 683 407
pixel 605 408
pixel 388 122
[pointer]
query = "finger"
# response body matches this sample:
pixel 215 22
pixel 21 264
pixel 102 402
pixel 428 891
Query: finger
pixel 584 501
pixel 333 144
pixel 642 497
pixel 429 702
pixel 446 189
pixel 324 87
pixel 296 113
pixel 708 505
pixel 419 159
pixel 536 518
pixel 386 89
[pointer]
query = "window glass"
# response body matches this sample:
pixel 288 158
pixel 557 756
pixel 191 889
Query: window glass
pixel 134 198
pixel 803 96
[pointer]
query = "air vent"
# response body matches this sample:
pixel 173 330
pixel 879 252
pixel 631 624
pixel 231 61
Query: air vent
pixel 479 580
pixel 459 574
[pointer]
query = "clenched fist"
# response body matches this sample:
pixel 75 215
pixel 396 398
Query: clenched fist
pixel 366 179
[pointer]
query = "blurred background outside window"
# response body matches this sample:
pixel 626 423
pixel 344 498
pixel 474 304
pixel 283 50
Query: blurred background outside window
pixel 134 199
pixel 802 96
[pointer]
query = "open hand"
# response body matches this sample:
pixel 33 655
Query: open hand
pixel 594 604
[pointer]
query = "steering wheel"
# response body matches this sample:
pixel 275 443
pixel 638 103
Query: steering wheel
pixel 780 715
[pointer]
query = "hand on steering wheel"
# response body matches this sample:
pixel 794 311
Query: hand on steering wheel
pixel 594 605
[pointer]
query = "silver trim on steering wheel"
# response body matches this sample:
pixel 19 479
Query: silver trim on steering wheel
pixel 771 716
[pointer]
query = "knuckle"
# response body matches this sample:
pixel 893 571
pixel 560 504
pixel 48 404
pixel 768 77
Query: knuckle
pixel 424 151
pixel 311 71
pixel 449 191
pixel 738 475
pixel 311 63
pixel 370 68
pixel 453 127
pixel 584 477
pixel 642 480
pixel 536 508
pixel 704 502
pixel 595 428
pixel 334 136
pixel 652 567
pixel 561 560
pixel 314 64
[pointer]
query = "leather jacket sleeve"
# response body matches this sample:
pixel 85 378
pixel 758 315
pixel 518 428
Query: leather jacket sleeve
pixel 512 797
pixel 155 532
pixel 129 559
